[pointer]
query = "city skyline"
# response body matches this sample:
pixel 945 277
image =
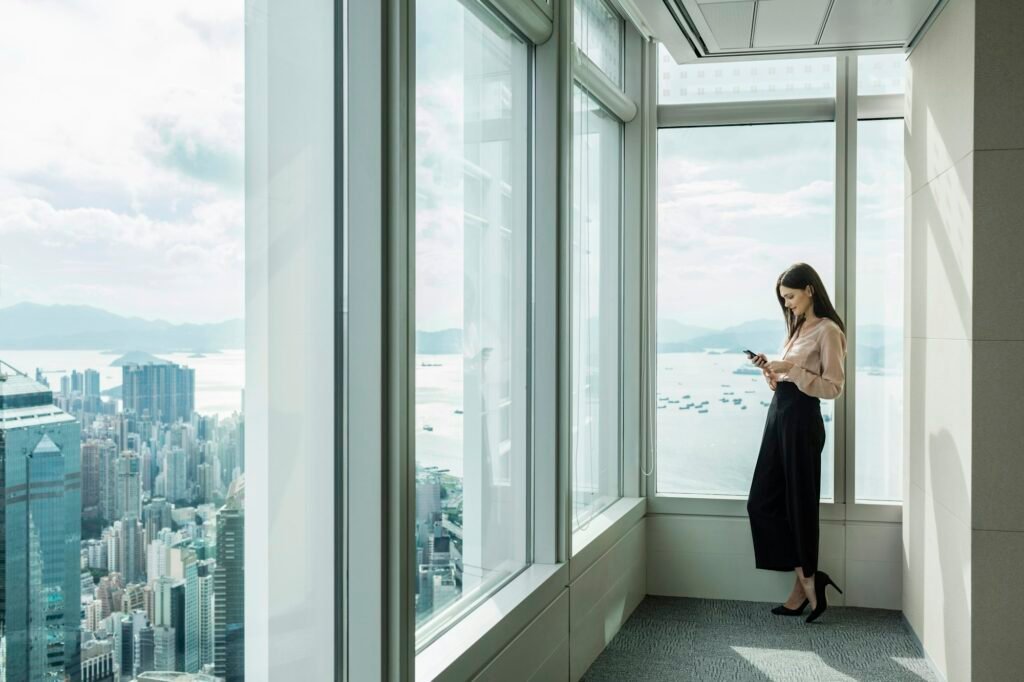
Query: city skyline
pixel 156 507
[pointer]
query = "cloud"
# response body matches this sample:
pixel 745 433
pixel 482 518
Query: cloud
pixel 123 137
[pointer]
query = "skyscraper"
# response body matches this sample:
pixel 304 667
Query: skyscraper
pixel 165 391
pixel 91 388
pixel 129 490
pixel 40 533
pixel 229 587
pixel 205 570
pixel 90 478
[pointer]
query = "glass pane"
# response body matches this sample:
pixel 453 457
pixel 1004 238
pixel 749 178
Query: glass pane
pixel 594 336
pixel 597 30
pixel 881 74
pixel 471 238
pixel 771 79
pixel 122 215
pixel 736 207
pixel 879 394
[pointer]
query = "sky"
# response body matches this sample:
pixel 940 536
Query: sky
pixel 121 172
pixel 738 205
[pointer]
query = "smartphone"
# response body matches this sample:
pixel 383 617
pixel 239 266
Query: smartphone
pixel 750 354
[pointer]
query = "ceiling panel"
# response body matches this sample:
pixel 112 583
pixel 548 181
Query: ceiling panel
pixel 786 23
pixel 730 23
pixel 710 28
pixel 857 22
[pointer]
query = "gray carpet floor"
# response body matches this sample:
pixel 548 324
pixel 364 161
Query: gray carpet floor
pixel 709 640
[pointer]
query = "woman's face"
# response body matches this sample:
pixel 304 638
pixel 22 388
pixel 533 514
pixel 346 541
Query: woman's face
pixel 797 300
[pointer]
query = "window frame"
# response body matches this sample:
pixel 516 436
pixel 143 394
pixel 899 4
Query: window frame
pixel 455 613
pixel 621 104
pixel 847 109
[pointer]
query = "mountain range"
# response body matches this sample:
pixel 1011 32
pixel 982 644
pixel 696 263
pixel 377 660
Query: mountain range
pixel 30 326
pixel 874 342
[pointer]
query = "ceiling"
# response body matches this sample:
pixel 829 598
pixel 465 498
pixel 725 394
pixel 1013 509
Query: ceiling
pixel 699 29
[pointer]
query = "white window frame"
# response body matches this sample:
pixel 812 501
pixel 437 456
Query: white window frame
pixel 846 109
pixel 621 103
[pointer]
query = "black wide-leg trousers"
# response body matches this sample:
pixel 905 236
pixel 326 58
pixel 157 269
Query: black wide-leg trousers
pixel 784 493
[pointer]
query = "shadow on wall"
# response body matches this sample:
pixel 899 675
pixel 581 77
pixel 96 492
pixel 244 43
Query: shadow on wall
pixel 939 248
pixel 954 554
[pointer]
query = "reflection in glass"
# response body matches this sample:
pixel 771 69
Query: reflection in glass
pixel 772 79
pixel 594 334
pixel 881 74
pixel 736 207
pixel 597 30
pixel 471 307
pixel 879 393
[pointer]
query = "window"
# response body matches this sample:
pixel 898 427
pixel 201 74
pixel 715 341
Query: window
pixel 472 235
pixel 597 30
pixel 734 206
pixel 744 81
pixel 122 208
pixel 881 74
pixel 595 274
pixel 879 352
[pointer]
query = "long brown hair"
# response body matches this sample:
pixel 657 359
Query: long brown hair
pixel 800 276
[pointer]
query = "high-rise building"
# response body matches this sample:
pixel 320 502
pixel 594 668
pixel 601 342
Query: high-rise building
pixel 190 649
pixel 127 641
pixel 40 533
pixel 177 476
pixel 90 478
pixel 91 384
pixel 108 480
pixel 156 515
pixel 131 552
pixel 98 661
pixel 164 391
pixel 147 650
pixel 163 648
pixel 229 587
pixel 204 579
pixel 129 489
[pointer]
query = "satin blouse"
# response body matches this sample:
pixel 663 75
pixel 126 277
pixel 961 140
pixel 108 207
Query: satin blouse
pixel 817 355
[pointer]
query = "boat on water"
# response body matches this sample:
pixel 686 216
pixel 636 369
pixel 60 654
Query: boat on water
pixel 428 427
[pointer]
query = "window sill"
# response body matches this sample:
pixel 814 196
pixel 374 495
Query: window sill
pixel 479 636
pixel 737 506
pixel 603 531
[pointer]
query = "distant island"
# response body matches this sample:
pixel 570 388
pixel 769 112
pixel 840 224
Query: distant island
pixel 875 344
pixel 31 326
pixel 138 358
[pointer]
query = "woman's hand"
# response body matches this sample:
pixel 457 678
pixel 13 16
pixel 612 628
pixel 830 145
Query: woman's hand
pixel 778 366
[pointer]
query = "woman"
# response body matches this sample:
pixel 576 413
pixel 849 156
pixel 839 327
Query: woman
pixel 784 494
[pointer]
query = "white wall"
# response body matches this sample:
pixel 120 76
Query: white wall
pixel 997 430
pixel 581 618
pixel 964 519
pixel 289 328
pixel 712 557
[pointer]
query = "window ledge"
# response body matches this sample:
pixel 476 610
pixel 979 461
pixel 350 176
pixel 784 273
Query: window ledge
pixel 881 512
pixel 603 531
pixel 478 637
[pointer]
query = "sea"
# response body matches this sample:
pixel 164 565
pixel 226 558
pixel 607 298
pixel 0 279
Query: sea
pixel 706 453
pixel 220 376
pixel 706 449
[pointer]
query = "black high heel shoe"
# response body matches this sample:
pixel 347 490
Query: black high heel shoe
pixel 782 610
pixel 821 581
